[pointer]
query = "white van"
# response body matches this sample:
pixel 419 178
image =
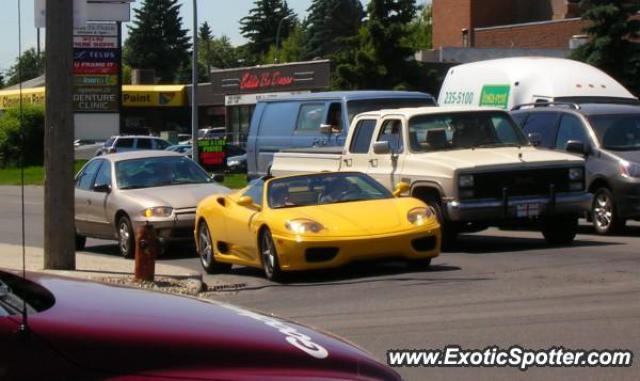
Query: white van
pixel 508 82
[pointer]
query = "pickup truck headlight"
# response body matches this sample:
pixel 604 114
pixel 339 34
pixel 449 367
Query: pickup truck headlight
pixel 465 181
pixel 158 211
pixel 629 169
pixel 576 174
pixel 303 225
pixel 418 216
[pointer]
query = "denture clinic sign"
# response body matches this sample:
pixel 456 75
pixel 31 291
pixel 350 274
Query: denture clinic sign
pixel 96 67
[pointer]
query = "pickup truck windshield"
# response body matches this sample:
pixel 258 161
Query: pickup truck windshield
pixel 359 106
pixel 617 132
pixel 320 189
pixel 463 130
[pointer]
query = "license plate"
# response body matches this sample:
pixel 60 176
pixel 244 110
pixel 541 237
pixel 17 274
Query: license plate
pixel 528 210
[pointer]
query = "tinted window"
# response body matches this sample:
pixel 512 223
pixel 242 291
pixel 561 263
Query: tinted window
pixel 334 118
pixel 161 144
pixel 544 124
pixel 255 191
pixel 124 143
pixel 279 118
pixel 570 129
pixel 520 118
pixel 362 136
pixel 87 175
pixel 144 143
pixel 104 174
pixel 391 132
pixel 310 117
pixel 617 132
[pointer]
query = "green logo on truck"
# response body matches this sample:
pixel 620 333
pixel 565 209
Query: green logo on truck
pixel 495 96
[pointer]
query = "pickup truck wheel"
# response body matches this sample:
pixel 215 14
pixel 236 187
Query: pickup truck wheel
pixel 560 230
pixel 604 214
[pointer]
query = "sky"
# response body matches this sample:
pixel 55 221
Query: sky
pixel 222 15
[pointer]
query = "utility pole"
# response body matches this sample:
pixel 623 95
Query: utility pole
pixel 59 230
pixel 194 86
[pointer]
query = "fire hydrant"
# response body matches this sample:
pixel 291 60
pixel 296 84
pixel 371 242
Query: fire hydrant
pixel 146 253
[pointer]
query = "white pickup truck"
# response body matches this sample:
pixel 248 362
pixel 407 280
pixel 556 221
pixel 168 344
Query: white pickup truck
pixel 474 166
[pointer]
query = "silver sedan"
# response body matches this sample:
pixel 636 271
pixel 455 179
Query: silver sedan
pixel 117 193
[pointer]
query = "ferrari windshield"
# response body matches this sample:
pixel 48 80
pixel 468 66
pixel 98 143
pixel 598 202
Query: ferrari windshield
pixel 463 130
pixel 617 132
pixel 158 171
pixel 324 188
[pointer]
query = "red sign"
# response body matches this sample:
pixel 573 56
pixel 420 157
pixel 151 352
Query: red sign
pixel 212 158
pixel 265 80
pixel 95 68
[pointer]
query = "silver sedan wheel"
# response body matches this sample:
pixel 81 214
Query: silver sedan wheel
pixel 125 238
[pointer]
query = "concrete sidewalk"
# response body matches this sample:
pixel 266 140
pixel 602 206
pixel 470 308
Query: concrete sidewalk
pixel 88 266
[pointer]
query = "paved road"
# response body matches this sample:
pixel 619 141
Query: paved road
pixel 495 288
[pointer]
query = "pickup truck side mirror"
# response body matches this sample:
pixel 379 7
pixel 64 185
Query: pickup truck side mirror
pixel 577 147
pixel 325 128
pixel 401 188
pixel 535 138
pixel 381 148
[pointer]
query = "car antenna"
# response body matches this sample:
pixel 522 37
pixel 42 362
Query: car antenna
pixel 23 329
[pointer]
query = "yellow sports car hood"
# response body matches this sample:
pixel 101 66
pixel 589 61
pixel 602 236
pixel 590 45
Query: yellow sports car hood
pixel 358 218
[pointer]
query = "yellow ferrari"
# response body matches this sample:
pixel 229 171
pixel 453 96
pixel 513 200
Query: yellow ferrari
pixel 313 221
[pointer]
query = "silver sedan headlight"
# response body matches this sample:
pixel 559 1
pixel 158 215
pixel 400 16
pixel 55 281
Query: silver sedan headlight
pixel 158 211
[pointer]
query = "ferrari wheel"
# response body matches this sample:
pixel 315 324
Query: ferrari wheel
pixel 206 251
pixel 269 257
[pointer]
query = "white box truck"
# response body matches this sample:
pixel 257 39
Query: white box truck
pixel 508 82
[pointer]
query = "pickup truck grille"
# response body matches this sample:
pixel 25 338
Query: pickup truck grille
pixel 531 182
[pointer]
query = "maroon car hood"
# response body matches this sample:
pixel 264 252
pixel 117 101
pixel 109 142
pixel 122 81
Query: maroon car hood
pixel 129 331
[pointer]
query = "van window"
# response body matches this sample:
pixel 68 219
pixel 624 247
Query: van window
pixel 391 132
pixel 570 129
pixel 278 119
pixel 546 125
pixel 310 117
pixel 362 136
pixel 334 117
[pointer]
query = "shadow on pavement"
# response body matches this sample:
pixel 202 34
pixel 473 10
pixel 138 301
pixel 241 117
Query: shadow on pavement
pixel 628 231
pixel 487 244
pixel 171 253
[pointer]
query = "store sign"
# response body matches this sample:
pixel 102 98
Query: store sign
pixel 29 97
pixel 153 99
pixel 495 96
pixel 211 151
pixel 96 66
pixel 272 79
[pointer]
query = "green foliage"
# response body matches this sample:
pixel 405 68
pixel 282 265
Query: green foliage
pixel 329 22
pixel 290 50
pixel 260 27
pixel 381 57
pixel 216 52
pixel 157 40
pixel 32 67
pixel 421 30
pixel 10 135
pixel 611 46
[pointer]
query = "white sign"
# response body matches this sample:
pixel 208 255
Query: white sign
pixel 97 29
pixel 88 10
pixel 251 99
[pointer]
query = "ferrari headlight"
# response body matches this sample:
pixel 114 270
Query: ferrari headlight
pixel 158 211
pixel 418 216
pixel 303 225
pixel 576 174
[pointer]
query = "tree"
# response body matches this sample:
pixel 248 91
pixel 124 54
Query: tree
pixel 216 52
pixel 205 41
pixel 31 64
pixel 290 50
pixel 261 25
pixel 421 30
pixel 157 40
pixel 613 37
pixel 329 22
pixel 28 125
pixel 382 57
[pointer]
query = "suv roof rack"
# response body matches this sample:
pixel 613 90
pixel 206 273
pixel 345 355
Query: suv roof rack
pixel 571 105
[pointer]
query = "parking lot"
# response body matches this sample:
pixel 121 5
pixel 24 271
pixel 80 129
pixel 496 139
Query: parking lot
pixel 497 287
